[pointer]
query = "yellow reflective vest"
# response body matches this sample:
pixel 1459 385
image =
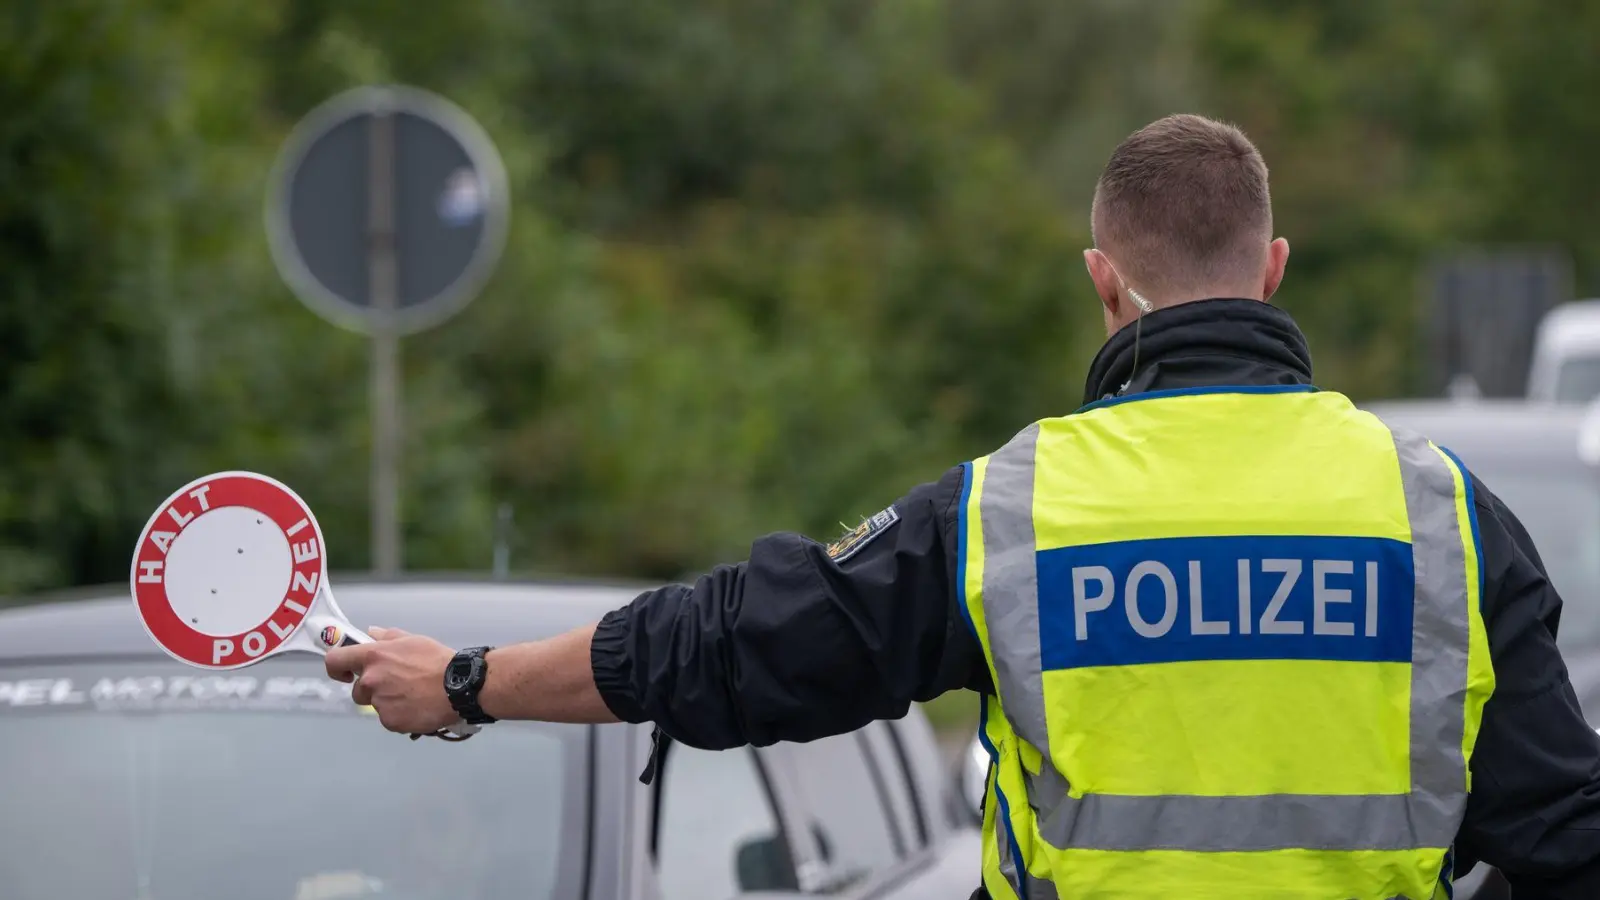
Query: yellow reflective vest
pixel 1236 645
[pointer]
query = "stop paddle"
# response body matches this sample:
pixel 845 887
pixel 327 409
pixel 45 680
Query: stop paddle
pixel 232 569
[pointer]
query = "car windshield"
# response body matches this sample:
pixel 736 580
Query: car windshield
pixel 1578 379
pixel 154 782
pixel 1560 507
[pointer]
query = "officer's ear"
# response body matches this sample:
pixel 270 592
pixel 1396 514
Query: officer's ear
pixel 1277 261
pixel 1106 282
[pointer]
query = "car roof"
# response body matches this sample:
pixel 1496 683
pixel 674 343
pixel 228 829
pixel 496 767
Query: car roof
pixel 1493 430
pixel 99 622
pixel 1569 325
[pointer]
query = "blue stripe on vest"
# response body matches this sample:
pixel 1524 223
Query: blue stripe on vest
pixel 1472 516
pixel 1331 598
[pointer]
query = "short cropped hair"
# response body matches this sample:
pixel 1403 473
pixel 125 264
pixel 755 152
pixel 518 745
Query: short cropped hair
pixel 1183 203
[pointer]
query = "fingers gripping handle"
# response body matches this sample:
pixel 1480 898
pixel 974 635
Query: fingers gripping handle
pixel 460 731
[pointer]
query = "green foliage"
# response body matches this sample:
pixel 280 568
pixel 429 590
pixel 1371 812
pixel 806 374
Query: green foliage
pixel 771 263
pixel 86 248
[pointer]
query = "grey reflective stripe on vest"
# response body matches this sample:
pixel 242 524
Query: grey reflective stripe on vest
pixel 1008 860
pixel 1439 641
pixel 1426 817
pixel 1036 888
pixel 1010 566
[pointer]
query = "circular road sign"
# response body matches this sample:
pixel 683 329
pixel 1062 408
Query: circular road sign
pixel 387 209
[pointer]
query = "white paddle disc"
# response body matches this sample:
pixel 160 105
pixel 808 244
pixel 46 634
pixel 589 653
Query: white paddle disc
pixel 232 569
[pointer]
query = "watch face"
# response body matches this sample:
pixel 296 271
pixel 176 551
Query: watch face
pixel 459 673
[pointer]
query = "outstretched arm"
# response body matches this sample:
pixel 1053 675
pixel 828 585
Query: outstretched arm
pixel 402 678
pixel 801 641
pixel 550 681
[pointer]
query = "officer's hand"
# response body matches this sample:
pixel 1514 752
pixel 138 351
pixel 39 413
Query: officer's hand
pixel 399 675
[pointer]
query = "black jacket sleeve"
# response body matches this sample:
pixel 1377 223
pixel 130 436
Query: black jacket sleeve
pixel 792 645
pixel 1534 811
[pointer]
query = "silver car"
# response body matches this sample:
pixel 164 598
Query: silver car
pixel 126 775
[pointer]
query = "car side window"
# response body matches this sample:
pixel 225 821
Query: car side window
pixel 717 830
pixel 844 798
pixel 898 787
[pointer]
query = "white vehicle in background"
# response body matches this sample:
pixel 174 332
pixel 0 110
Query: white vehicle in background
pixel 1566 355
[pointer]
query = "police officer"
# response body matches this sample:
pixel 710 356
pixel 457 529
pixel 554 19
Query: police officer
pixel 1235 638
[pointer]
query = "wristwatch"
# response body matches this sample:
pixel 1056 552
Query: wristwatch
pixel 463 680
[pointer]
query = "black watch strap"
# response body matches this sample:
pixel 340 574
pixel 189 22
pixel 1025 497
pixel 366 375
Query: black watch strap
pixel 463 681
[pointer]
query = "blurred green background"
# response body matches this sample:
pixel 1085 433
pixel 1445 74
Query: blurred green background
pixel 771 263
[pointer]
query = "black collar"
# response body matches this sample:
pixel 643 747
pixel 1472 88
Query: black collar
pixel 1207 343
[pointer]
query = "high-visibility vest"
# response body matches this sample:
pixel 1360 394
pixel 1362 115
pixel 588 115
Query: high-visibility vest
pixel 1237 649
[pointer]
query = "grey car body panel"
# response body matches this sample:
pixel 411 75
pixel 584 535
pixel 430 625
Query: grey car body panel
pixel 99 624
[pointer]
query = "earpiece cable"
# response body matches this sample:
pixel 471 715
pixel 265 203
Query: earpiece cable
pixel 1138 331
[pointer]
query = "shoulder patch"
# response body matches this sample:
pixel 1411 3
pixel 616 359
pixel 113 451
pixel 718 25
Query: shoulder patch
pixel 862 535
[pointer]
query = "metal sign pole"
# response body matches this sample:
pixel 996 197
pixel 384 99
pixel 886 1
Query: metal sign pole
pixel 502 541
pixel 385 397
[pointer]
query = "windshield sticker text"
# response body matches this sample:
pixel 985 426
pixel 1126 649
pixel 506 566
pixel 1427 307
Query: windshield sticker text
pixel 178 692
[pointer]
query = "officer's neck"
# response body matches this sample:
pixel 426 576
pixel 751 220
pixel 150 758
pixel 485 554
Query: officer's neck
pixel 1205 343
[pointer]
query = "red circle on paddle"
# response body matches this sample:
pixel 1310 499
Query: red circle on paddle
pixel 226 569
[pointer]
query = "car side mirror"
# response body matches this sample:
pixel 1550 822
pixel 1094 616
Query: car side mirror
pixel 763 863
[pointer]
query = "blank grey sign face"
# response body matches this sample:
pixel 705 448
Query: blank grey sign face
pixel 443 204
pixel 328 210
pixel 440 204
